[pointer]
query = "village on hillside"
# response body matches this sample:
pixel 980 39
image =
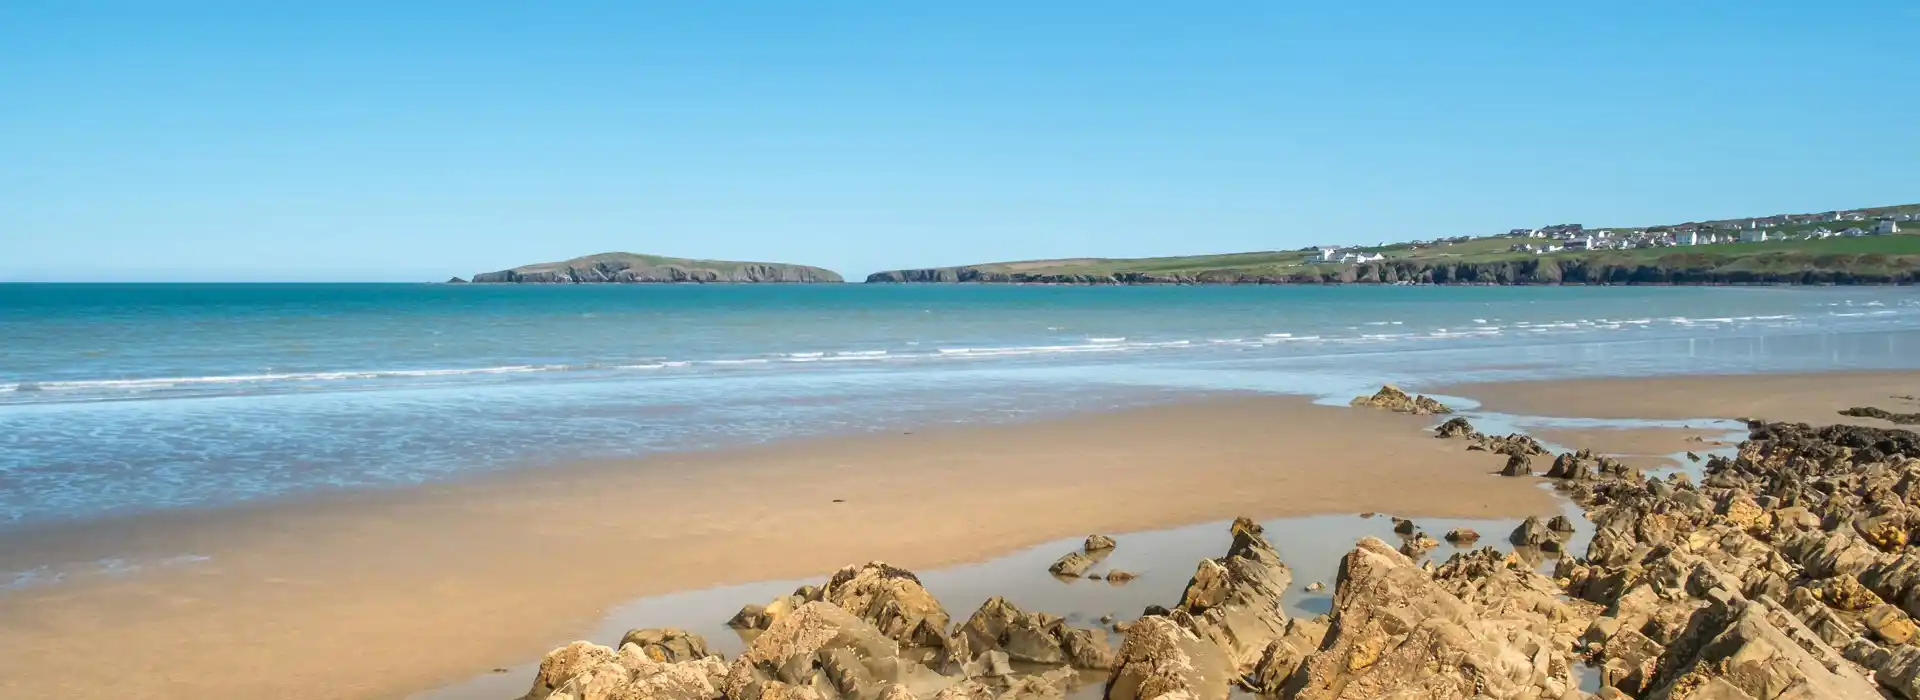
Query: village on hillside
pixel 1575 237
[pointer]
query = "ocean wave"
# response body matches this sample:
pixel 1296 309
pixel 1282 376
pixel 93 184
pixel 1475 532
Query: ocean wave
pixel 171 382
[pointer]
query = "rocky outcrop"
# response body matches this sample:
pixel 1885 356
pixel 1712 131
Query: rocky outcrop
pixel 827 650
pixel 1391 398
pixel 1398 631
pixel 1455 427
pixel 1235 601
pixel 1780 576
pixel 1000 627
pixel 630 268
pixel 1882 414
pixel 892 600
pixel 666 645
pixel 1161 659
pixel 1789 572
pixel 1678 268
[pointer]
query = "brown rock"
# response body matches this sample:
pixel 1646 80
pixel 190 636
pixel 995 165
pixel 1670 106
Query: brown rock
pixel 667 645
pixel 890 599
pixel 1392 398
pixel 1073 564
pixel 1161 659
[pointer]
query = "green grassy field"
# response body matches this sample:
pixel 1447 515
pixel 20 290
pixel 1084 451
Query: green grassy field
pixel 1868 253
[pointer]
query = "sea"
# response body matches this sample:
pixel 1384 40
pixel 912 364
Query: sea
pixel 123 399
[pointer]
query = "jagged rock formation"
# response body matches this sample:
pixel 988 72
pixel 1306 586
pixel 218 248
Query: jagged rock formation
pixel 635 268
pixel 1788 573
pixel 1391 398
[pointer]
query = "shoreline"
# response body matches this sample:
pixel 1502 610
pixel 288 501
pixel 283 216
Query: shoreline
pixel 379 594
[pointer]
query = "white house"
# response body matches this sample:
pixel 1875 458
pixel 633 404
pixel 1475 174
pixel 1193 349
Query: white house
pixel 1688 238
pixel 1325 255
pixel 1753 235
pixel 1885 226
pixel 1854 232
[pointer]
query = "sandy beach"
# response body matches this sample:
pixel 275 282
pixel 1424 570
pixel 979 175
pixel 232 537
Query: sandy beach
pixel 1801 398
pixel 382 594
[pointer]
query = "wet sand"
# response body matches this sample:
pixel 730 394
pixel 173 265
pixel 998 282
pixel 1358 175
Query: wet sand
pixel 378 595
pixel 1802 398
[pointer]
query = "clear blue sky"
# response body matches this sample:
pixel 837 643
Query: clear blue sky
pixel 370 141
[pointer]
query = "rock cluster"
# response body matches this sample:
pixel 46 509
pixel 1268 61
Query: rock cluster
pixel 1391 398
pixel 1789 572
pixel 1786 573
pixel 1076 563
pixel 1882 414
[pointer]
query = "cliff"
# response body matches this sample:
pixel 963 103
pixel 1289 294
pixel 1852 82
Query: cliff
pixel 633 268
pixel 1674 268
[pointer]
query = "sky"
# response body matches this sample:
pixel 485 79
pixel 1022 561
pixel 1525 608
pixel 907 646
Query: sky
pixel 383 141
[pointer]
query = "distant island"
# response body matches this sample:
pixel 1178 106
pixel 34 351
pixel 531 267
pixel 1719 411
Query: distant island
pixel 635 268
pixel 1860 246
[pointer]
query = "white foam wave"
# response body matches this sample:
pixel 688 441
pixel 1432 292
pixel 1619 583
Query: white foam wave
pixel 173 382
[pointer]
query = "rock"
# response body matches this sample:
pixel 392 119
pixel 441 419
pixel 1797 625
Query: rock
pixel 1315 587
pixel 1518 465
pixel 1453 428
pixel 1560 524
pixel 455 280
pixel 991 663
pixel 1161 659
pixel 1027 637
pixel 1512 444
pixel 1418 544
pixel 1398 633
pixel 1844 593
pixel 1882 414
pixel 890 599
pixel 1748 646
pixel 1236 601
pixel 1085 649
pixel 1531 533
pixel 826 648
pixel 1575 466
pixel 1402 526
pixel 1119 578
pixel 750 617
pixel 1073 564
pixel 1040 686
pixel 1889 624
pixel 1283 656
pixel 667 644
pixel 964 690
pixel 1462 536
pixel 1097 543
pixel 563 664
pixel 1393 399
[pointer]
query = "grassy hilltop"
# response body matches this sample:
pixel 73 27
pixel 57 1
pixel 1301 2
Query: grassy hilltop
pixel 1895 257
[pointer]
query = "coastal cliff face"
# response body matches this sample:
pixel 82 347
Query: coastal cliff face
pixel 631 268
pixel 1840 270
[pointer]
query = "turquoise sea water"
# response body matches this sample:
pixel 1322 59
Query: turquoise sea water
pixel 121 399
